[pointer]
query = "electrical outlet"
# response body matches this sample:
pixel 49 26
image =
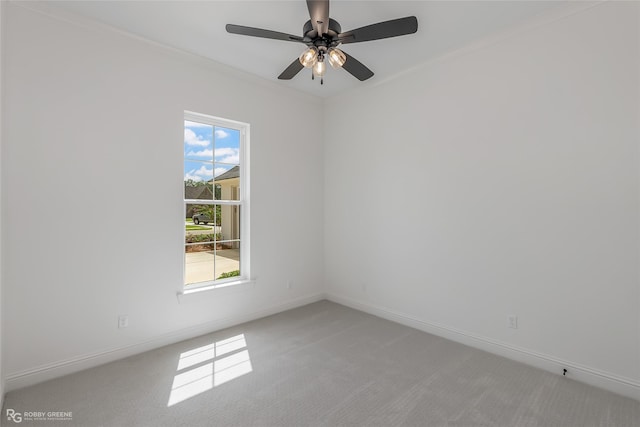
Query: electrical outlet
pixel 123 321
pixel 512 322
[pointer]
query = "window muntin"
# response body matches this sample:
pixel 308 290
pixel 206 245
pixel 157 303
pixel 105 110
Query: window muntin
pixel 215 201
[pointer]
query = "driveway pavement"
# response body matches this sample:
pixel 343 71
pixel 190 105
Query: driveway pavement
pixel 199 266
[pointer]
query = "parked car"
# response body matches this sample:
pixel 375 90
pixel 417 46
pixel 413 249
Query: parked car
pixel 201 218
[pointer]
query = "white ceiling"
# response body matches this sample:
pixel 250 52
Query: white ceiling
pixel 199 27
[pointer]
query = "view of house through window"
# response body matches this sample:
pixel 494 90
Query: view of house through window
pixel 214 200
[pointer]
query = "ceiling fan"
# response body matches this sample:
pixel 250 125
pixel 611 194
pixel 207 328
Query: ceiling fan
pixel 322 35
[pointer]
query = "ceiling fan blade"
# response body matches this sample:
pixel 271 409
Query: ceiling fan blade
pixel 319 13
pixel 357 68
pixel 291 71
pixel 265 34
pixel 381 30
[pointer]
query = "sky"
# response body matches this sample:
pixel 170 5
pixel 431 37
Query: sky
pixel 202 162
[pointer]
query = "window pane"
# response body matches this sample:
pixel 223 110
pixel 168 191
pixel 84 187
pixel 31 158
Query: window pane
pixel 198 141
pixel 227 182
pixel 227 146
pixel 228 260
pixel 201 217
pixel 197 173
pixel 198 190
pixel 229 222
pixel 197 237
pixel 199 263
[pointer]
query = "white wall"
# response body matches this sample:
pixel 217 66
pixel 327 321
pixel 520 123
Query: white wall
pixel 499 181
pixel 1 210
pixel 92 189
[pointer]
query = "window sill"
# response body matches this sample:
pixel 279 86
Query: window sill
pixel 227 287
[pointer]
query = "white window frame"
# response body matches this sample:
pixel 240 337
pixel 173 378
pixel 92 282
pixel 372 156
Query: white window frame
pixel 243 204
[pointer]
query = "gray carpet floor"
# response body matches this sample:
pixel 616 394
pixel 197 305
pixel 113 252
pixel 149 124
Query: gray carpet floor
pixel 321 365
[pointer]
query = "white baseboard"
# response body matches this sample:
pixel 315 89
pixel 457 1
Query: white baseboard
pixel 605 380
pixel 53 370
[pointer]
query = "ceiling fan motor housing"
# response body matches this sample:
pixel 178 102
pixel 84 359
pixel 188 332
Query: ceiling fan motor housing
pixel 325 40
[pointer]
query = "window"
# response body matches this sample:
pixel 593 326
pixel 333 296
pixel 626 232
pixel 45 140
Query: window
pixel 216 195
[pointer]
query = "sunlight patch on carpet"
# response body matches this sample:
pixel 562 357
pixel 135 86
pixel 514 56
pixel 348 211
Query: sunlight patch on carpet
pixel 209 366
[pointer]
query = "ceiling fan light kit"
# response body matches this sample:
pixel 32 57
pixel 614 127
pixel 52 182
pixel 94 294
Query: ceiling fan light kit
pixel 320 68
pixel 337 58
pixel 322 36
pixel 309 57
